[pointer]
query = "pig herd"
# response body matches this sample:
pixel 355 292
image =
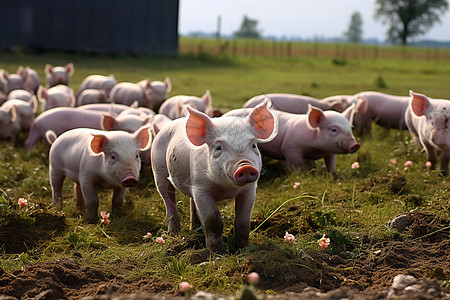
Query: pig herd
pixel 101 136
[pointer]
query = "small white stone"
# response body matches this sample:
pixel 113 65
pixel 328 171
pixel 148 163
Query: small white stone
pixel 401 281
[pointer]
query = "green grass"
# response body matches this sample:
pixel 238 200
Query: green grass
pixel 347 206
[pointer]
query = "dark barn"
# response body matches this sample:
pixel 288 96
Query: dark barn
pixel 91 26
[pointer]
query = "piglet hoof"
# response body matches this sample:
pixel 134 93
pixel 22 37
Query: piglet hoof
pixel 217 246
pixel 246 174
pixel 129 180
pixel 91 218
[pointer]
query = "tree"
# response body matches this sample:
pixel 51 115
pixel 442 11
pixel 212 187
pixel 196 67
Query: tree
pixel 248 29
pixel 354 32
pixel 409 18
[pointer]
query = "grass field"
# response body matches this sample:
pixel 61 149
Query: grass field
pixel 352 207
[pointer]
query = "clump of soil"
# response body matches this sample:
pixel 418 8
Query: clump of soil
pixel 21 233
pixel 393 183
pixel 66 279
pixel 293 220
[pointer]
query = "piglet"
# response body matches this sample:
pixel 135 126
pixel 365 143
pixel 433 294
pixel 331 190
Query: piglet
pixel 146 93
pixel 32 80
pixel 57 96
pixel 127 93
pixel 317 134
pixel 428 121
pixel 90 96
pixel 291 103
pixel 112 108
pixel 211 160
pixel 62 119
pixel 98 82
pixel 9 126
pixel 21 94
pixel 157 91
pixel 12 82
pixel 58 75
pixel 158 122
pixel 16 115
pixel 339 102
pixel 385 109
pixel 174 107
pixel 96 159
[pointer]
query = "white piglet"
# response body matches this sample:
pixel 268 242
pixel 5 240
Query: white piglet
pixel 211 160
pixel 96 159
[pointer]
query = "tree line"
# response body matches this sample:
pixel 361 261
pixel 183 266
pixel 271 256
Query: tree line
pixel 406 19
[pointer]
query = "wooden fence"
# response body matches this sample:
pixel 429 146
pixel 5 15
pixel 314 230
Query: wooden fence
pixel 281 49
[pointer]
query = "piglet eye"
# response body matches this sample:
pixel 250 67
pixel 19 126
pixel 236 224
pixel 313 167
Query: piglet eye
pixel 218 148
pixel 113 156
pixel 254 146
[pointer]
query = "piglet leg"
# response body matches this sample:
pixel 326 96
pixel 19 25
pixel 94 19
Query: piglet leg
pixel 243 211
pixel 90 196
pixel 195 222
pixel 211 219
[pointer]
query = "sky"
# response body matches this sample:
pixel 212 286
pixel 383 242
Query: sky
pixel 307 19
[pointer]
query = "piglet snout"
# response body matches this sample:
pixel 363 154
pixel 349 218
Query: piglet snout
pixel 129 180
pixel 353 147
pixel 246 174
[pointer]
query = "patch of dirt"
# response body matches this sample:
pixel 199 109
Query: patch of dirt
pixel 29 233
pixel 394 183
pixel 423 256
pixel 66 279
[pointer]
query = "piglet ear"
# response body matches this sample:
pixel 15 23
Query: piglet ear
pixel 4 75
pixel 264 121
pixel 419 103
pixel 143 137
pixel 207 99
pixel 168 85
pixel 42 94
pixel 70 69
pixel 108 121
pixel 362 105
pixel 48 69
pixel 197 126
pixel 34 104
pixel 13 113
pixel 22 72
pixel 72 100
pixel 350 111
pixel 98 143
pixel 315 116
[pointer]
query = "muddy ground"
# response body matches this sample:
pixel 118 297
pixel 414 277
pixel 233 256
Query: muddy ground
pixel 425 256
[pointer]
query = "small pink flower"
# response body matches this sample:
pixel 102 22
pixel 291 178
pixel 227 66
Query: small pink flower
pixel 105 217
pixel 253 278
pixel 147 236
pixel 393 161
pixel 408 163
pixel 355 165
pixel 185 286
pixel 160 240
pixel 296 185
pixel 428 164
pixel 289 237
pixel 22 202
pixel 324 242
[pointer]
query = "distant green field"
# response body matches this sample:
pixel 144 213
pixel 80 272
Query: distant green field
pixel 347 205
